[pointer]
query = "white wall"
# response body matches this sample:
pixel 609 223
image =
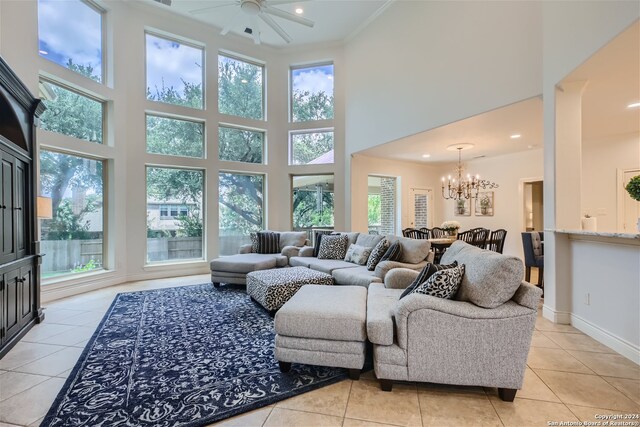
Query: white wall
pixel 424 64
pixel 125 152
pixel 410 175
pixel 509 172
pixel 601 160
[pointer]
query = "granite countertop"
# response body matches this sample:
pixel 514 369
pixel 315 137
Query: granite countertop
pixel 610 234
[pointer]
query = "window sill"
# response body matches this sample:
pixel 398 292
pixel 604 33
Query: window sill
pixel 171 265
pixel 71 279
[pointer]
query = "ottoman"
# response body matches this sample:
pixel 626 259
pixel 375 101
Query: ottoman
pixel 272 288
pixel 323 325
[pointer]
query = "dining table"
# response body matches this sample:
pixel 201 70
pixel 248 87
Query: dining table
pixel 440 245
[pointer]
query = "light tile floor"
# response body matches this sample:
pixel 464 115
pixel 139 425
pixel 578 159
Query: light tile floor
pixel 570 377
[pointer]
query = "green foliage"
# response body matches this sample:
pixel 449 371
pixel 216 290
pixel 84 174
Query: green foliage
pixel 374 212
pixel 174 137
pixel 241 202
pixel 307 106
pixel 310 146
pixel 67 225
pixel 190 225
pixel 191 95
pixel 239 88
pixel 240 145
pixel 71 113
pixel 90 266
pixel 307 213
pixel 633 188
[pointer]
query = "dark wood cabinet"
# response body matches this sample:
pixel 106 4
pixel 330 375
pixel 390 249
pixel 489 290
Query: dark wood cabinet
pixel 19 257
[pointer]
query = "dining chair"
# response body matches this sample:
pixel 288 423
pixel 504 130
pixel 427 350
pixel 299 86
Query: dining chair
pixel 496 241
pixel 466 236
pixel 480 237
pixel 533 255
pixel 437 233
pixel 426 230
pixel 410 232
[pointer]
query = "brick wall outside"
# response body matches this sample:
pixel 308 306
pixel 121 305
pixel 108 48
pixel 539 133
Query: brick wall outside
pixel 388 205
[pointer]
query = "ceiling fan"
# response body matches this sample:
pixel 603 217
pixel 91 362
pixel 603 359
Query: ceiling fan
pixel 254 9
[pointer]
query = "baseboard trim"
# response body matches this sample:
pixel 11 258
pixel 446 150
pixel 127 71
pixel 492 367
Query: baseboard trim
pixel 561 317
pixel 622 346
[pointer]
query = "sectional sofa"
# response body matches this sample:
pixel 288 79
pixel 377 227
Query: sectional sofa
pixel 296 252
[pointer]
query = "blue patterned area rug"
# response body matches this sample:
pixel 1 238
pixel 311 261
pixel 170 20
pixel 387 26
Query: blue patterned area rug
pixel 185 356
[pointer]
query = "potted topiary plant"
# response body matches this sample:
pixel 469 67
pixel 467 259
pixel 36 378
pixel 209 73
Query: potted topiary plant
pixel 461 207
pixel 633 188
pixel 485 204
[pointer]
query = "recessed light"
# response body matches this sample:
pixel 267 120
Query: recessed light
pixel 515 136
pixel 299 11
pixel 43 52
pixel 426 156
pixel 244 81
pixel 634 105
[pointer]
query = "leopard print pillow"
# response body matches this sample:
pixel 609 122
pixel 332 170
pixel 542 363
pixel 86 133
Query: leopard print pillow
pixel 333 246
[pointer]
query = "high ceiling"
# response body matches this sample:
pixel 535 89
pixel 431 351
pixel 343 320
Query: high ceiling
pixel 490 133
pixel 335 20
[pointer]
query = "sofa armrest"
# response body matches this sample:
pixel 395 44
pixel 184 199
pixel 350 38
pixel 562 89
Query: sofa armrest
pixel 385 266
pixel 380 306
pixel 456 309
pixel 528 295
pixel 245 249
pixel 400 278
pixel 291 251
pixel 306 251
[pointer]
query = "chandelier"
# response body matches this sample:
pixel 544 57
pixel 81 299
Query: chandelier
pixel 464 187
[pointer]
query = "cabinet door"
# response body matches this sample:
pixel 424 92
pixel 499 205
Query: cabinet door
pixel 26 294
pixel 19 207
pixel 7 241
pixel 12 318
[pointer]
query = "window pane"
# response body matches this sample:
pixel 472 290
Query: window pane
pixel 312 202
pixel 174 72
pixel 174 237
pixel 73 239
pixel 382 205
pixel 240 88
pixel 70 34
pixel 70 113
pixel 239 145
pixel 312 93
pixel 241 207
pixel 175 137
pixel 311 148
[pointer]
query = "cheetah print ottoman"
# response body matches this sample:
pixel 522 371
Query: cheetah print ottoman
pixel 272 288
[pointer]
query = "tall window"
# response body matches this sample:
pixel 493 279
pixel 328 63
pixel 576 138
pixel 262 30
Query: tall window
pixel 312 93
pixel 312 204
pixel 174 72
pixel 240 145
pixel 70 34
pixel 311 148
pixel 73 239
pixel 382 204
pixel 71 113
pixel 241 202
pixel 174 214
pixel 174 137
pixel 240 88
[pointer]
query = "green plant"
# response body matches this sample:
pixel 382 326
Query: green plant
pixel 633 188
pixel 91 265
pixel 485 202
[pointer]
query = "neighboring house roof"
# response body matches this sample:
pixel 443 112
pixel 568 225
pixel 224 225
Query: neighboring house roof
pixel 325 158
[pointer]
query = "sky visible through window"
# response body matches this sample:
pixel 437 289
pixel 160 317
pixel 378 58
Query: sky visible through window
pixel 70 31
pixel 314 79
pixel 312 93
pixel 172 65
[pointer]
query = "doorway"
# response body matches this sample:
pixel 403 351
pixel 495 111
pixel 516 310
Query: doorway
pixel 533 206
pixel 629 209
pixel 420 208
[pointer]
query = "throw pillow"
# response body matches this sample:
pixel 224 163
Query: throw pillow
pixel 268 242
pixel 333 247
pixel 377 253
pixel 357 254
pixel 316 244
pixel 394 253
pixel 426 272
pixel 442 284
pixel 254 242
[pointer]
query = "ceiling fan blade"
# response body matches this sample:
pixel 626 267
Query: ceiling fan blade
pixel 277 28
pixel 286 15
pixel 220 4
pixel 255 29
pixel 227 27
pixel 277 2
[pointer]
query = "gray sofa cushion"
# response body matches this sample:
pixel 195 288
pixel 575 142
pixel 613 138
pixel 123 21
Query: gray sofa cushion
pixel 245 263
pixel 301 261
pixel 292 238
pixel 327 265
pixel 325 312
pixel 490 280
pixel 381 304
pixel 384 267
pixel 413 250
pixel 368 240
pixel 358 276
